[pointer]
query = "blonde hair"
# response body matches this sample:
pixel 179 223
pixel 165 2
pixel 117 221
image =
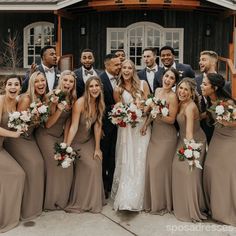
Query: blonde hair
pixel 135 91
pixel 72 95
pixel 99 103
pixel 31 87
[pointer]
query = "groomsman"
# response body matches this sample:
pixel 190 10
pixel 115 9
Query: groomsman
pixel 48 67
pixel 85 71
pixel 167 56
pixel 108 142
pixel 149 72
pixel 207 63
pixel 121 54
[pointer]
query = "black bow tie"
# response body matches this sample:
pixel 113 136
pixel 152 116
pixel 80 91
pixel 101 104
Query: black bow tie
pixel 88 72
pixel 149 70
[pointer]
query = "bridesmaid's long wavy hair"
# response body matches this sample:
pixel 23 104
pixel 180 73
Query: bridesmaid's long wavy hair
pixel 217 82
pixel 72 95
pixel 193 88
pixel 31 87
pixel 100 105
pixel 135 91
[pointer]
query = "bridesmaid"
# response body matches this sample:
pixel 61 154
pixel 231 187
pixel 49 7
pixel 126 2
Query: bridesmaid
pixel 219 171
pixel 27 153
pixel 188 197
pixel 58 180
pixel 85 132
pixel 12 177
pixel 161 149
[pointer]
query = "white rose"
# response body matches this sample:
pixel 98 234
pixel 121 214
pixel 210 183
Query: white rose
pixel 165 111
pixel 63 145
pixel 69 150
pixel 16 115
pixel 57 156
pixel 57 91
pixel 220 110
pixel 133 107
pixel 25 116
pixel 32 105
pixel 42 109
pixel 148 102
pixel 196 154
pixel 188 153
pixel 65 164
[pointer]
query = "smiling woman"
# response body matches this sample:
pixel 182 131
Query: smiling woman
pixel 12 177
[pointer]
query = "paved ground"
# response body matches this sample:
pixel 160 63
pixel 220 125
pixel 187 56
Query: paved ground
pixel 111 223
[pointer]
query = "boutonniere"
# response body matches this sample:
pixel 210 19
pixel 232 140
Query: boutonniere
pixel 58 75
pixel 181 72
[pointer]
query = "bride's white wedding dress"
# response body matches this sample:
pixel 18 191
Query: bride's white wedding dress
pixel 129 176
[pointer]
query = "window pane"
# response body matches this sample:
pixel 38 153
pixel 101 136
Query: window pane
pixel 132 41
pixel 175 36
pixel 132 51
pixel 120 35
pixel 30 60
pixel 138 61
pixel 132 32
pixel 113 45
pixel 113 35
pixel 168 36
pixel 139 31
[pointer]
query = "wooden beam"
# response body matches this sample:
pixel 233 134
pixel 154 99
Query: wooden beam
pixel 64 14
pixel 58 43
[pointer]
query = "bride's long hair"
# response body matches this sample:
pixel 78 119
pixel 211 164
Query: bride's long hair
pixel 135 90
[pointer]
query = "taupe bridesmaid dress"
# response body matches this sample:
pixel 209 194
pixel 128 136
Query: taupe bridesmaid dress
pixel 161 149
pixel 188 197
pixel 58 180
pixel 26 152
pixel 219 175
pixel 87 191
pixel 12 179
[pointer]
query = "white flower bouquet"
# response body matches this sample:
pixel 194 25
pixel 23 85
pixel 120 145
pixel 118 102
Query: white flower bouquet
pixel 223 111
pixel 64 155
pixel 191 152
pixel 125 114
pixel 19 120
pixel 158 107
pixel 59 95
pixel 39 112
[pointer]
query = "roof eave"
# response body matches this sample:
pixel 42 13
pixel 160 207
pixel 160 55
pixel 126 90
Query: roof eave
pixel 38 7
pixel 224 3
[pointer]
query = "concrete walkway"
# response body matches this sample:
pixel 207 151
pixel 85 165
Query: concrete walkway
pixel 111 223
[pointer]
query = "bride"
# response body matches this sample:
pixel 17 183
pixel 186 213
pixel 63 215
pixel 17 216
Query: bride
pixel 131 146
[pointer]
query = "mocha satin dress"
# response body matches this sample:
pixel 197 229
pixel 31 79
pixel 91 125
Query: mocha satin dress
pixel 161 150
pixel 12 179
pixel 87 191
pixel 26 152
pixel 220 176
pixel 58 180
pixel 188 197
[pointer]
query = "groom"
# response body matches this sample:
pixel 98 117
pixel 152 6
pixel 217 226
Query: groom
pixel 108 142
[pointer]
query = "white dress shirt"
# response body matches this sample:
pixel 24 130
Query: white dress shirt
pixel 90 73
pixel 112 79
pixel 50 76
pixel 150 75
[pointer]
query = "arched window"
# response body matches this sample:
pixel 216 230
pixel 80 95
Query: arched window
pixel 36 36
pixel 140 35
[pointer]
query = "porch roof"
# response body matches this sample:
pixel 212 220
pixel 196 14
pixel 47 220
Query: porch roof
pixel 231 4
pixel 35 5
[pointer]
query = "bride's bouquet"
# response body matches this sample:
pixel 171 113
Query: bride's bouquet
pixel 190 152
pixel 19 120
pixel 64 155
pixel 39 112
pixel 125 114
pixel 223 111
pixel 158 106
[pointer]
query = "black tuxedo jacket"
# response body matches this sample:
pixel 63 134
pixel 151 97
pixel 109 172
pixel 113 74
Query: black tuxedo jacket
pixel 80 85
pixel 185 70
pixel 108 127
pixel 39 68
pixel 143 76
